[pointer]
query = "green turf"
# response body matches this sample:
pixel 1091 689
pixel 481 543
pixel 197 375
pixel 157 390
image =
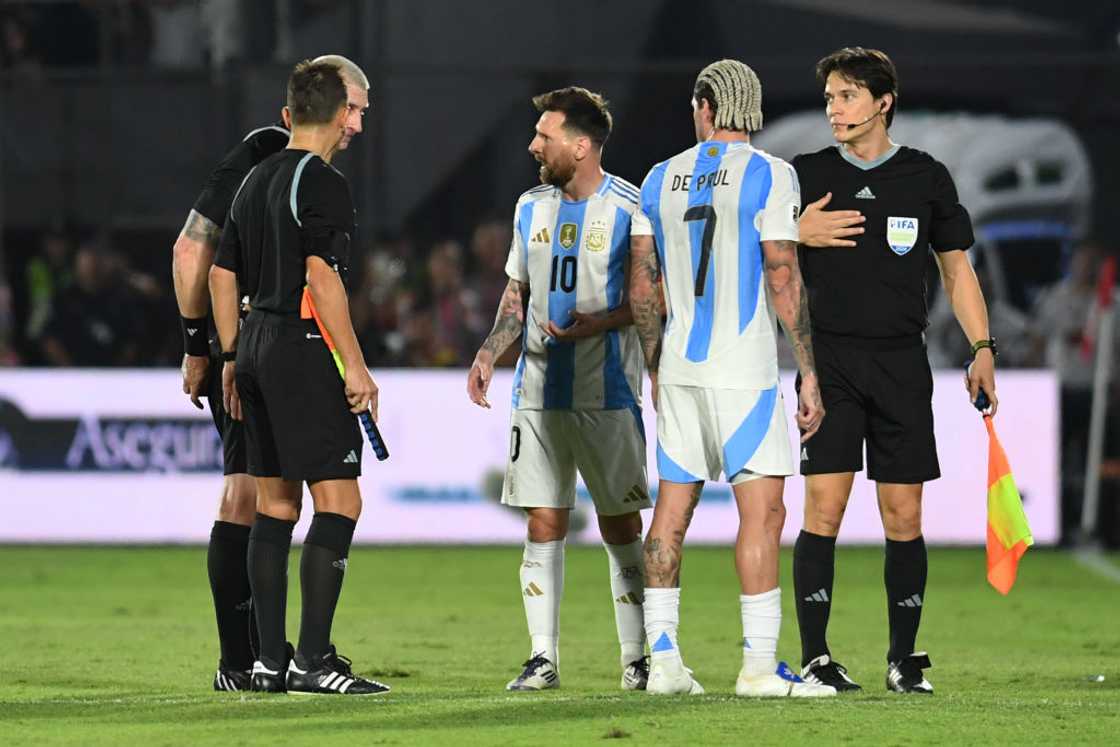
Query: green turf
pixel 117 645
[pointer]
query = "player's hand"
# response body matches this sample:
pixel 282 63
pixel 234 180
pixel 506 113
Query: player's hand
pixel 580 327
pixel 230 398
pixel 361 392
pixel 194 376
pixel 478 379
pixel 810 408
pixel 824 228
pixel 981 374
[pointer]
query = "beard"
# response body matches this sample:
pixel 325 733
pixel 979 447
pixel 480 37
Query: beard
pixel 558 174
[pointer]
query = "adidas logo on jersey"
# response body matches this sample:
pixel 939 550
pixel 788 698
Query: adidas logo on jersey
pixel 865 194
pixel 351 458
pixel 541 237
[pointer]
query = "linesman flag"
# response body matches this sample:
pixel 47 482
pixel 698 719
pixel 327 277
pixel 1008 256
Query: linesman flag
pixel 1009 535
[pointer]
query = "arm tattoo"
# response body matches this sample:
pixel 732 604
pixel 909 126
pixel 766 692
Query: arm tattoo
pixel 510 319
pixel 791 302
pixel 200 228
pixel 645 302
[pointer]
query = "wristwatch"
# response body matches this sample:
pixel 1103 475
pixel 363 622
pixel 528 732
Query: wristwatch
pixel 990 343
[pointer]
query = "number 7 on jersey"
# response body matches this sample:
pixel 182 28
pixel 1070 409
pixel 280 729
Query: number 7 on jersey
pixel 705 213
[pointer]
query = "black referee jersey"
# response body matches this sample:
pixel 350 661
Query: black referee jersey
pixel 878 288
pixel 222 183
pixel 292 206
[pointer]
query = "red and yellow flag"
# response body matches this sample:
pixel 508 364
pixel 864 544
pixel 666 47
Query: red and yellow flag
pixel 1009 535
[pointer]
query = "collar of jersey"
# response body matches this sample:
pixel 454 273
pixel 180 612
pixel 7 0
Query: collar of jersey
pixel 599 192
pixel 867 165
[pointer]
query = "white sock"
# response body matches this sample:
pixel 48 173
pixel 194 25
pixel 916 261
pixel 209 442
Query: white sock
pixel 542 587
pixel 762 621
pixel 627 582
pixel 662 611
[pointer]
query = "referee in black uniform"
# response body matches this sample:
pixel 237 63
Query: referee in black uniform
pixel 867 303
pixel 192 257
pixel 288 244
pixel 229 537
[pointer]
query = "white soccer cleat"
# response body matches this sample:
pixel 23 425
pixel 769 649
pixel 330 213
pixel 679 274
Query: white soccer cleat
pixel 672 677
pixel 636 674
pixel 539 674
pixel 782 683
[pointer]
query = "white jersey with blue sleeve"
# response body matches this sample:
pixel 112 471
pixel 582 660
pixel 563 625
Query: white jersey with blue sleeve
pixel 573 256
pixel 708 209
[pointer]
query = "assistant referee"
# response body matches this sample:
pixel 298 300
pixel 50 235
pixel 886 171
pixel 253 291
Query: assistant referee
pixel 291 224
pixel 868 306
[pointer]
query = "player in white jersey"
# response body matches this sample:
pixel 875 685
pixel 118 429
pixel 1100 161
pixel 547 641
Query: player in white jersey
pixel 716 220
pixel 578 383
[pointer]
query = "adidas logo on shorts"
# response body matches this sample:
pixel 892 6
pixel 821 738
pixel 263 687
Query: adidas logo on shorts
pixel 351 458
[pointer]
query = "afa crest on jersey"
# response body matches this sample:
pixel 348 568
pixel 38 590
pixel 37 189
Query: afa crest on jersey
pixel 902 234
pixel 596 239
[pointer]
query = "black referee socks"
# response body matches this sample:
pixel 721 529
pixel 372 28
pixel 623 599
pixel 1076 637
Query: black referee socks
pixel 321 570
pixel 814 562
pixel 904 572
pixel 269 542
pixel 227 566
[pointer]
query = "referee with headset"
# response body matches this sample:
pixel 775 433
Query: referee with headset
pixel 288 243
pixel 864 262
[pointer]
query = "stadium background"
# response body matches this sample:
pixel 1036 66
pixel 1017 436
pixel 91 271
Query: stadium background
pixel 113 112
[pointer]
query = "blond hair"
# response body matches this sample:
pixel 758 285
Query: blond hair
pixel 734 93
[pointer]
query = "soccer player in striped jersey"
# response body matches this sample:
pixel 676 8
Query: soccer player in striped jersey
pixel 714 221
pixel 577 388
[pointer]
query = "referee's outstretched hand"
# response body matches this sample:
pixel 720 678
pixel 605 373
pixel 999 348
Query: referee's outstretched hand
pixel 810 408
pixel 361 392
pixel 825 228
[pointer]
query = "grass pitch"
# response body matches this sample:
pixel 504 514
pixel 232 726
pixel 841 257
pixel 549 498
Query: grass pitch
pixel 118 646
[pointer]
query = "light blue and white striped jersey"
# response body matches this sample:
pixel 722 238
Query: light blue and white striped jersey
pixel 708 209
pixel 573 256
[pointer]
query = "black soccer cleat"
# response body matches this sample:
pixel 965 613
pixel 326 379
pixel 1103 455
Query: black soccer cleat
pixel 330 675
pixel 268 676
pixel 905 675
pixel 824 671
pixel 232 680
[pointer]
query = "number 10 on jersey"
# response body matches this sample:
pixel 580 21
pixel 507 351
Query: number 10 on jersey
pixel 563 273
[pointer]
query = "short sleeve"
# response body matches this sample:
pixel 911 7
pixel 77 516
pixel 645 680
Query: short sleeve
pixel 783 204
pixel 324 212
pixel 517 264
pixel 228 255
pixel 950 224
pixel 221 185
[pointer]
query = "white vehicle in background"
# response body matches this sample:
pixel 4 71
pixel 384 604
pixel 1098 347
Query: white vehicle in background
pixel 1027 183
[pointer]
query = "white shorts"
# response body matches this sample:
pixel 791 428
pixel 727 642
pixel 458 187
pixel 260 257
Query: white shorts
pixel 608 447
pixel 738 432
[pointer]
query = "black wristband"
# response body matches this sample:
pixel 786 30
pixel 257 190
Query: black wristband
pixel 194 336
pixel 229 356
pixel 979 345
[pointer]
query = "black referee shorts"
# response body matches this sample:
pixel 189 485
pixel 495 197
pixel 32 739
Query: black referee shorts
pixel 298 425
pixel 881 396
pixel 231 431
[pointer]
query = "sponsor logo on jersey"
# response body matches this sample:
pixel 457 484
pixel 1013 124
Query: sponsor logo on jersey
pixel 902 234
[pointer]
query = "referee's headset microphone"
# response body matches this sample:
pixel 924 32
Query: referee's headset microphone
pixel 861 124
